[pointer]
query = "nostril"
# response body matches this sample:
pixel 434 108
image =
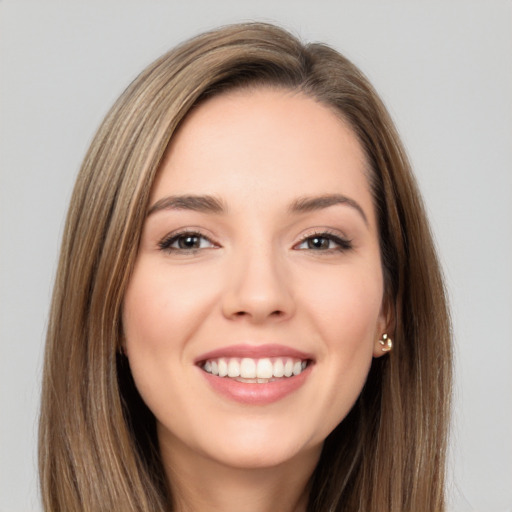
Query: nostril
pixel 276 313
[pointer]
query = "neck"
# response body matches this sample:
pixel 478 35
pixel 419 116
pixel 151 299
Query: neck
pixel 200 484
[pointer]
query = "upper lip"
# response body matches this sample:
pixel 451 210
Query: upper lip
pixel 254 351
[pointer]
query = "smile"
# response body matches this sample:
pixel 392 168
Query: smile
pixel 252 370
pixel 255 375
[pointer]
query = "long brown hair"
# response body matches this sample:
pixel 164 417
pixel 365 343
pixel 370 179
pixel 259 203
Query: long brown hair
pixel 97 446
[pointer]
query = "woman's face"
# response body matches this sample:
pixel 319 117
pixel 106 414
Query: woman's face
pixel 256 302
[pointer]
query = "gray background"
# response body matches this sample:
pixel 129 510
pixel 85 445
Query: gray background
pixel 444 68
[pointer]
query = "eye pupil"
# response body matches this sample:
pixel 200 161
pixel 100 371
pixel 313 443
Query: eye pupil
pixel 318 242
pixel 188 242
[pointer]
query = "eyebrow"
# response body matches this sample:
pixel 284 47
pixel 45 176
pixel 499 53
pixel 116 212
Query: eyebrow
pixel 204 204
pixel 309 204
pixel 211 204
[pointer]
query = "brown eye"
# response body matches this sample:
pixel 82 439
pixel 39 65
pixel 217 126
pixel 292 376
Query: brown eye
pixel 185 242
pixel 318 243
pixel 188 242
pixel 324 242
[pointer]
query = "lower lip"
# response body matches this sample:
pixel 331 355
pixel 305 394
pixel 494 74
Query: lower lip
pixel 253 393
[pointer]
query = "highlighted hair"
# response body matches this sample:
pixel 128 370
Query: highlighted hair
pixel 97 446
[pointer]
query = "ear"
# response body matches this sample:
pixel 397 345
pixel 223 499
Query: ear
pixel 385 328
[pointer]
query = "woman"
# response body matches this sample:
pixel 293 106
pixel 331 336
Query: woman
pixel 244 241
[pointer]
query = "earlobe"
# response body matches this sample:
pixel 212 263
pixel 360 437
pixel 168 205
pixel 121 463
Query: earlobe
pixel 384 343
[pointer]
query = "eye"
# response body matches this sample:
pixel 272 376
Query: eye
pixel 324 242
pixel 186 241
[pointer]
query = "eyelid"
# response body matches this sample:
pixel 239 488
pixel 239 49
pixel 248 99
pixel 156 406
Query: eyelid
pixel 165 243
pixel 344 243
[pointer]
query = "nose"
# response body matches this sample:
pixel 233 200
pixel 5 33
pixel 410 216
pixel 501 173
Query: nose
pixel 258 288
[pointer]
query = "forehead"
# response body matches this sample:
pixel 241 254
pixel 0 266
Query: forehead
pixel 253 144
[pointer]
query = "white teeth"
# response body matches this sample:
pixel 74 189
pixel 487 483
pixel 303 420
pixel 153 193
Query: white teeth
pixel 255 370
pixel 233 368
pixel 279 368
pixel 223 367
pixel 248 368
pixel 265 369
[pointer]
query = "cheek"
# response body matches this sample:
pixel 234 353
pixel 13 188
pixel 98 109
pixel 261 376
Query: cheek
pixel 346 313
pixel 161 310
pixel 156 322
pixel 346 305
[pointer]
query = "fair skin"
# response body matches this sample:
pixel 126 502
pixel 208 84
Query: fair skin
pixel 260 249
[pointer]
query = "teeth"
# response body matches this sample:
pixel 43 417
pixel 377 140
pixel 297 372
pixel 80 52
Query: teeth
pixel 248 368
pixel 255 370
pixel 265 369
pixel 278 368
pixel 223 367
pixel 233 368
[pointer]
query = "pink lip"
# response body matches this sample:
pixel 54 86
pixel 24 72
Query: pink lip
pixel 253 393
pixel 254 351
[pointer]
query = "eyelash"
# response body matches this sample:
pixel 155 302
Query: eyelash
pixel 167 243
pixel 343 244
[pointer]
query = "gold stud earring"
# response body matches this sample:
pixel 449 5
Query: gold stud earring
pixel 386 342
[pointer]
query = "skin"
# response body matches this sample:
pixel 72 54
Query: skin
pixel 255 279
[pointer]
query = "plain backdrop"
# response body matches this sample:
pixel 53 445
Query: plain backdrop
pixel 444 69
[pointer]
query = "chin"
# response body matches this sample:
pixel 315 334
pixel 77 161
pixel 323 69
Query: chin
pixel 260 445
pixel 264 457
